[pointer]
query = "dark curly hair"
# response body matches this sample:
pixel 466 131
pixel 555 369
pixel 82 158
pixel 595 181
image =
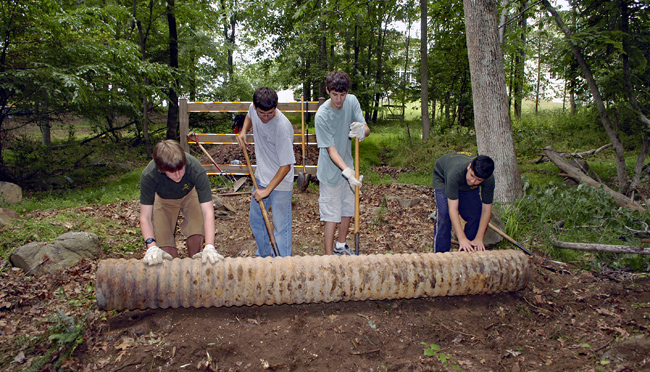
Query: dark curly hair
pixel 483 166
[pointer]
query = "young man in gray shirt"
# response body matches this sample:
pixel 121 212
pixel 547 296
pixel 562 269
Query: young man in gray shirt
pixel 274 174
pixel 337 121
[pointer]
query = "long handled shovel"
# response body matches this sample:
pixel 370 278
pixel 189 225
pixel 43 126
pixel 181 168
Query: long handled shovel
pixel 265 215
pixel 511 240
pixel 303 177
pixel 196 139
pixel 357 243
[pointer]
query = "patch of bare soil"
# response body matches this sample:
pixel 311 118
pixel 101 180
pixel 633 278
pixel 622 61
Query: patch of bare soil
pixel 225 154
pixel 565 320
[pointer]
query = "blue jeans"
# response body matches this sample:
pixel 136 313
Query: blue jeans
pixel 280 202
pixel 470 208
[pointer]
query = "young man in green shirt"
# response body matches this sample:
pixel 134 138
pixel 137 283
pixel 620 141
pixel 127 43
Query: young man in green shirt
pixel 175 182
pixel 463 186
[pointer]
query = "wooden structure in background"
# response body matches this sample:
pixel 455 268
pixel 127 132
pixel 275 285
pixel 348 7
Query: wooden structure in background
pixel 186 107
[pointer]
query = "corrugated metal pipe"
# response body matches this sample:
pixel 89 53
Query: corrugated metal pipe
pixel 130 284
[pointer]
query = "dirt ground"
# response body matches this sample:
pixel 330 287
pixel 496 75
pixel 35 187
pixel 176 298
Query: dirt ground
pixel 566 319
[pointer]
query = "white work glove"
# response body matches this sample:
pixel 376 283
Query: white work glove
pixel 357 130
pixel 155 256
pixel 349 174
pixel 209 253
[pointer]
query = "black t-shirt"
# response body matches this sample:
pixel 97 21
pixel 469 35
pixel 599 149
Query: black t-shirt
pixel 450 174
pixel 153 182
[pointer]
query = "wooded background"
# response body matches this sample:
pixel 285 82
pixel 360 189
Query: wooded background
pixel 113 62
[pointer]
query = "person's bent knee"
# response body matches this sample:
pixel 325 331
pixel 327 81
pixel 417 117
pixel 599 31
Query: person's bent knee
pixel 171 250
pixel 194 244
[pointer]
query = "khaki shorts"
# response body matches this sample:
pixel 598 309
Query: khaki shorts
pixel 336 202
pixel 165 216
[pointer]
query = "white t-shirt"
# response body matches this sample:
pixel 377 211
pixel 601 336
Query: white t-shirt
pixel 273 148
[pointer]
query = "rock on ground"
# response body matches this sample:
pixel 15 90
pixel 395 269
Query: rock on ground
pixel 66 251
pixel 10 193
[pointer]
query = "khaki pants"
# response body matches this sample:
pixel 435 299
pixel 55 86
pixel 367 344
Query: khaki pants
pixel 165 216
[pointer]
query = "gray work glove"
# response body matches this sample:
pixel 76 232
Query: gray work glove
pixel 349 174
pixel 357 130
pixel 155 256
pixel 209 253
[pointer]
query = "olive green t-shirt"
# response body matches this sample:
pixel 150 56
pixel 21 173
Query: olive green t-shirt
pixel 450 174
pixel 153 182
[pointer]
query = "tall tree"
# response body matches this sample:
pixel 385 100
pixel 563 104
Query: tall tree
pixel 142 40
pixel 492 122
pixel 424 71
pixel 172 108
pixel 520 60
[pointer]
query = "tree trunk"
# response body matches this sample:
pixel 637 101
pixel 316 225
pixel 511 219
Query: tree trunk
pixel 640 160
pixel 231 42
pixel 645 141
pixel 625 249
pixel 229 23
pixel 447 110
pixel 433 116
pixel 539 71
pixel 573 172
pixel 502 21
pixel 355 83
pixel 406 77
pixel 378 74
pixel 564 97
pixel 493 128
pixel 323 64
pixel 520 62
pixel 145 101
pixel 172 109
pixel 424 72
pixel 511 85
pixel 44 123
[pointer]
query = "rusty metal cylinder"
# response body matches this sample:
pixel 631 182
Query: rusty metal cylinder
pixel 130 284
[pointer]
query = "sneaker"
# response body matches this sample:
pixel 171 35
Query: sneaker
pixel 343 251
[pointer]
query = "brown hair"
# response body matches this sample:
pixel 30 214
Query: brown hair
pixel 265 99
pixel 169 156
pixel 338 81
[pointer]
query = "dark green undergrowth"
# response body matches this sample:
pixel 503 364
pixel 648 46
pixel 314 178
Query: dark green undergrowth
pixel 579 214
pixel 67 165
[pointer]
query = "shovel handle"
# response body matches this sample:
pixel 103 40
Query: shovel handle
pixel 511 240
pixel 357 243
pixel 265 215
pixel 196 140
pixel 304 139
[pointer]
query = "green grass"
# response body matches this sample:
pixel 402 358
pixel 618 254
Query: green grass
pixel 115 188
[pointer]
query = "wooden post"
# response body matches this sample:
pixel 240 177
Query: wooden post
pixel 184 122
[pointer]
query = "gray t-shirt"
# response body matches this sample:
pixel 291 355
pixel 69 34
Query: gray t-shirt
pixel 332 129
pixel 273 148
